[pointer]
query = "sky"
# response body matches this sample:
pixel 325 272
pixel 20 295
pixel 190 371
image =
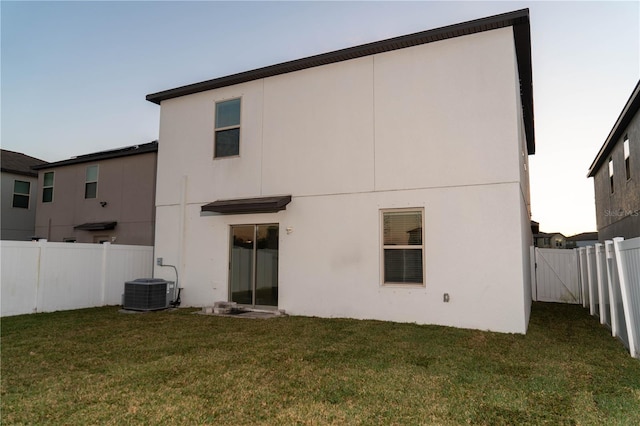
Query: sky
pixel 74 75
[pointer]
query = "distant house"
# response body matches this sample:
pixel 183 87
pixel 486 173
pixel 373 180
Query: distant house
pixel 550 240
pixel 616 175
pixel 19 185
pixel 99 197
pixel 535 227
pixel 342 184
pixel 582 240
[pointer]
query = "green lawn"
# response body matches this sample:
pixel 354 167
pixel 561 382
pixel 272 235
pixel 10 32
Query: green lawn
pixel 98 366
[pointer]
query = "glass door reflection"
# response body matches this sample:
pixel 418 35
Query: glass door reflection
pixel 253 266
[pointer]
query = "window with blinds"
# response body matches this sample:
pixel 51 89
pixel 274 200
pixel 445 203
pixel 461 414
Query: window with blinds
pixel 47 187
pixel 403 246
pixel 227 129
pixel 21 192
pixel 91 182
pixel 627 167
pixel 611 174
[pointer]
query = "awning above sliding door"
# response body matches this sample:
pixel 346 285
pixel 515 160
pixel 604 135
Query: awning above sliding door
pixel 249 205
pixel 96 226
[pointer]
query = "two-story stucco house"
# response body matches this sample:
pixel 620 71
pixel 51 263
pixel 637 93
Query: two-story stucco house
pixel 616 175
pixel 19 185
pixel 106 196
pixel 341 185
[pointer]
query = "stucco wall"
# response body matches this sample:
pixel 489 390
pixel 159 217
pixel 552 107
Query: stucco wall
pixel 618 214
pixel 435 126
pixel 126 184
pixel 17 223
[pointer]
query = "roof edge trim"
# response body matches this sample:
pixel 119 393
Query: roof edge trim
pixel 103 155
pixel 450 31
pixel 518 19
pixel 626 115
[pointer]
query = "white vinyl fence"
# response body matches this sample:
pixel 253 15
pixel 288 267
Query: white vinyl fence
pixel 605 278
pixel 44 276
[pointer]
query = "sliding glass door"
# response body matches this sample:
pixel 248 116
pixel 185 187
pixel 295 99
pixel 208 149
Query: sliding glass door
pixel 253 266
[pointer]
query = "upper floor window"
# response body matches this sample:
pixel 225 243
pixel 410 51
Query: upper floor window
pixel 627 167
pixel 47 188
pixel 227 129
pixel 91 182
pixel 402 246
pixel 21 191
pixel 611 174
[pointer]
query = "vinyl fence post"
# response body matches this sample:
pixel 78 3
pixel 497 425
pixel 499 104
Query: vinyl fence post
pixel 41 280
pixel 610 263
pixel 579 274
pixel 599 282
pixel 103 282
pixel 590 278
pixel 534 276
pixel 583 276
pixel 629 313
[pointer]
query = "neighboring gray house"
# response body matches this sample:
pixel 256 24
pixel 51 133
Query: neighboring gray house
pixel 18 195
pixel 106 196
pixel 582 240
pixel 616 173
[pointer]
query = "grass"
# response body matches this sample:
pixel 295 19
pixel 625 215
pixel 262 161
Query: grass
pixel 98 366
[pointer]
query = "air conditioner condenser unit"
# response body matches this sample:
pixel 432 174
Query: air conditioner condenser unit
pixel 147 294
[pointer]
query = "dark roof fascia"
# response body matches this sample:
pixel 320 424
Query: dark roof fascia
pixel 628 112
pixel 18 172
pixel 518 19
pixel 103 155
pixel 249 205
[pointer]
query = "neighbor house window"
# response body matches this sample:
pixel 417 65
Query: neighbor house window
pixel 227 129
pixel 21 191
pixel 91 182
pixel 627 167
pixel 47 188
pixel 402 246
pixel 611 174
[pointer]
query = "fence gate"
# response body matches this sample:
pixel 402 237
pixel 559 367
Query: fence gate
pixel 556 276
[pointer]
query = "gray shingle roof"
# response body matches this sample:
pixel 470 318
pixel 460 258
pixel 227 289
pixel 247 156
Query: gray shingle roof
pixel 19 163
pixel 585 236
pixel 104 155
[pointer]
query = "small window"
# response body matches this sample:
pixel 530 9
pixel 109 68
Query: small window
pixel 403 247
pixel 91 182
pixel 47 188
pixel 611 174
pixel 227 129
pixel 627 167
pixel 21 191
